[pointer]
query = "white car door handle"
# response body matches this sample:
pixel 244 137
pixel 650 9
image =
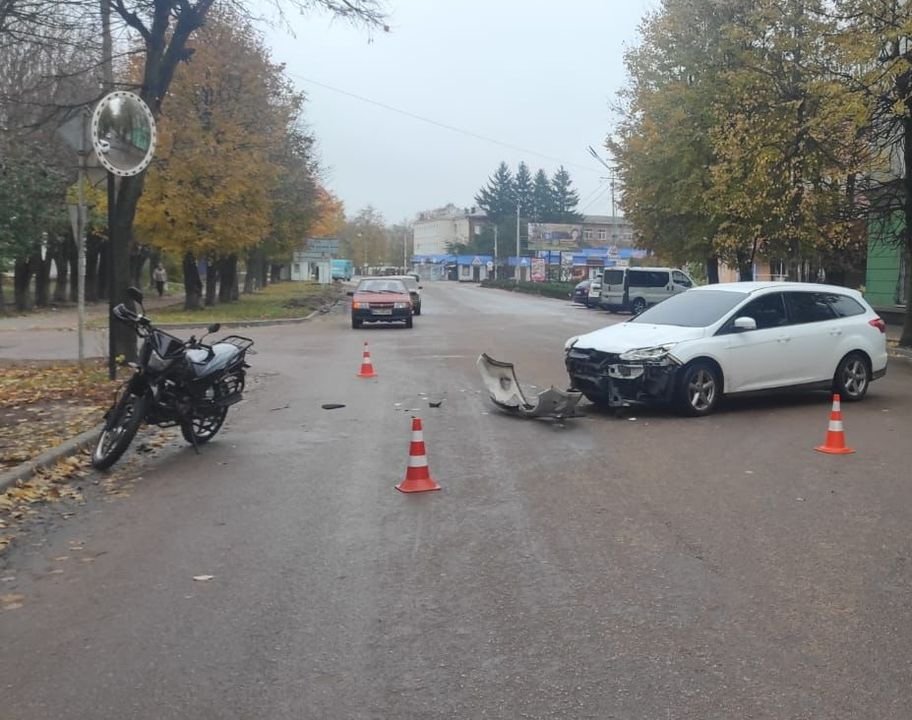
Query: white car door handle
pixel 835 332
pixel 785 339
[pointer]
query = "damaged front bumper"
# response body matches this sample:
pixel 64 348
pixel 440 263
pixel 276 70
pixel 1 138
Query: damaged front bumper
pixel 607 380
pixel 505 392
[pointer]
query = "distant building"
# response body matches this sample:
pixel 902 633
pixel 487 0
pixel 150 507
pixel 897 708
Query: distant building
pixel 437 230
pixel 593 231
pixel 610 230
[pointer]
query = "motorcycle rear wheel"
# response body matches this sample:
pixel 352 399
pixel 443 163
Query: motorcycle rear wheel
pixel 120 428
pixel 200 429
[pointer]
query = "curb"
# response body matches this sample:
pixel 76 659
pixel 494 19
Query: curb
pixel 241 323
pixel 25 470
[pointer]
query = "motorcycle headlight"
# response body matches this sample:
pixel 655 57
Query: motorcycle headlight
pixel 647 353
pixel 401 305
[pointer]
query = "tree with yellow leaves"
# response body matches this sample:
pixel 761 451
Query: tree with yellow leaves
pixel 209 195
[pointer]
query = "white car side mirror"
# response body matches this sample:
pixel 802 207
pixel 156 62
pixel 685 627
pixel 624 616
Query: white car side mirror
pixel 743 324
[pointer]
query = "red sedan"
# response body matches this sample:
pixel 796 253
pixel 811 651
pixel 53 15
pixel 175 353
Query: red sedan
pixel 381 300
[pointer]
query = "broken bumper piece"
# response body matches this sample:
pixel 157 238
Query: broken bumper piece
pixel 505 392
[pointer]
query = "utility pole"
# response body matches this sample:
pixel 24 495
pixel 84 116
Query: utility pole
pixel 80 239
pixel 495 250
pixel 405 265
pixel 517 243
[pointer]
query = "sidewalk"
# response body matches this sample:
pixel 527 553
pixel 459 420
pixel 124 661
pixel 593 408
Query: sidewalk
pixel 66 317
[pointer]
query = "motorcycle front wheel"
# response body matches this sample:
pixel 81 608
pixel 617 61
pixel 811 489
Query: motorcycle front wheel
pixel 120 428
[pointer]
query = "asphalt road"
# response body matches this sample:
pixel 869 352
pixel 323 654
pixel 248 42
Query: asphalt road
pixel 648 566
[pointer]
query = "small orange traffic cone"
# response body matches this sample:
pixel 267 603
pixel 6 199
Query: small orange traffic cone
pixel 367 367
pixel 418 475
pixel 835 437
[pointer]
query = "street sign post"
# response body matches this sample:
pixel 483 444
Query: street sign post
pixel 76 132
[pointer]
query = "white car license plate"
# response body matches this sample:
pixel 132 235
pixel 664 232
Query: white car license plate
pixel 382 312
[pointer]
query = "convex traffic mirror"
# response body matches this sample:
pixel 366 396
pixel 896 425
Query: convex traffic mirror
pixel 123 133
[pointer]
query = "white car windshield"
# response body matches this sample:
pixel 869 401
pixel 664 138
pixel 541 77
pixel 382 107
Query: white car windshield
pixel 693 308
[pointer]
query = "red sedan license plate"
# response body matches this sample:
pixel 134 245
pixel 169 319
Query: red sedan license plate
pixel 382 312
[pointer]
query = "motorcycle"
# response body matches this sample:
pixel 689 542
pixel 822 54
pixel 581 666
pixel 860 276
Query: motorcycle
pixel 189 384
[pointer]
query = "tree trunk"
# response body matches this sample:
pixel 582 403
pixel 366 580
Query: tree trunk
pixel 227 279
pixel 71 252
pixel 42 278
pixel 262 269
pixel 235 291
pixel 712 270
pixel 101 278
pixel 212 275
pixel 123 200
pixel 250 276
pixel 2 299
pixel 22 278
pixel 275 272
pixel 138 258
pixel 61 262
pixel 745 268
pixel 193 285
pixel 94 245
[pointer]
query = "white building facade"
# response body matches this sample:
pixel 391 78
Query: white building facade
pixel 436 230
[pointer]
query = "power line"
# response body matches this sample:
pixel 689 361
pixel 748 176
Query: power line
pixel 445 126
pixel 597 197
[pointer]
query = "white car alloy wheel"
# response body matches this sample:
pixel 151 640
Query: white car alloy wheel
pixel 853 377
pixel 700 388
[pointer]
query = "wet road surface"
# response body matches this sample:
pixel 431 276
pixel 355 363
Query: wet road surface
pixel 648 566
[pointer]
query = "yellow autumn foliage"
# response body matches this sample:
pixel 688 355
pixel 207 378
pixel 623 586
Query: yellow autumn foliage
pixel 222 132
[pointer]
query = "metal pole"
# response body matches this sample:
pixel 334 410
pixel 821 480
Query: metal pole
pixel 495 251
pixel 517 242
pixel 405 265
pixel 80 241
pixel 112 368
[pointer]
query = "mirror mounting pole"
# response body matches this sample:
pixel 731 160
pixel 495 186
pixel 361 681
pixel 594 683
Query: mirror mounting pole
pixel 112 199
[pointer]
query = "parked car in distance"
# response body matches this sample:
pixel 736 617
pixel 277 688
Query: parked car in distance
pixel 580 294
pixel 635 289
pixel 414 290
pixel 342 269
pixel 380 299
pixel 732 338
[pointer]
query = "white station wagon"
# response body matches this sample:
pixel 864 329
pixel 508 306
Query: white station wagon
pixel 733 338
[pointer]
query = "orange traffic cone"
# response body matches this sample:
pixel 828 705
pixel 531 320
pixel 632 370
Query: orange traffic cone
pixel 418 475
pixel 835 437
pixel 367 368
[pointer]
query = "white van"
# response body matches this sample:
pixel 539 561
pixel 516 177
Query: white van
pixel 635 289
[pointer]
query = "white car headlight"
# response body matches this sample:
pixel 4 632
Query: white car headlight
pixel 647 353
pixel 570 343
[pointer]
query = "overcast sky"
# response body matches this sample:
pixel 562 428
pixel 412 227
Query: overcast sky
pixel 540 76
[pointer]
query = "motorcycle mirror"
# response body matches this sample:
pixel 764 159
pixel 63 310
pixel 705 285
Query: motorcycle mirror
pixel 214 327
pixel 135 294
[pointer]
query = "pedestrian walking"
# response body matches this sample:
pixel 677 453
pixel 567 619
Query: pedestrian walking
pixel 160 277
